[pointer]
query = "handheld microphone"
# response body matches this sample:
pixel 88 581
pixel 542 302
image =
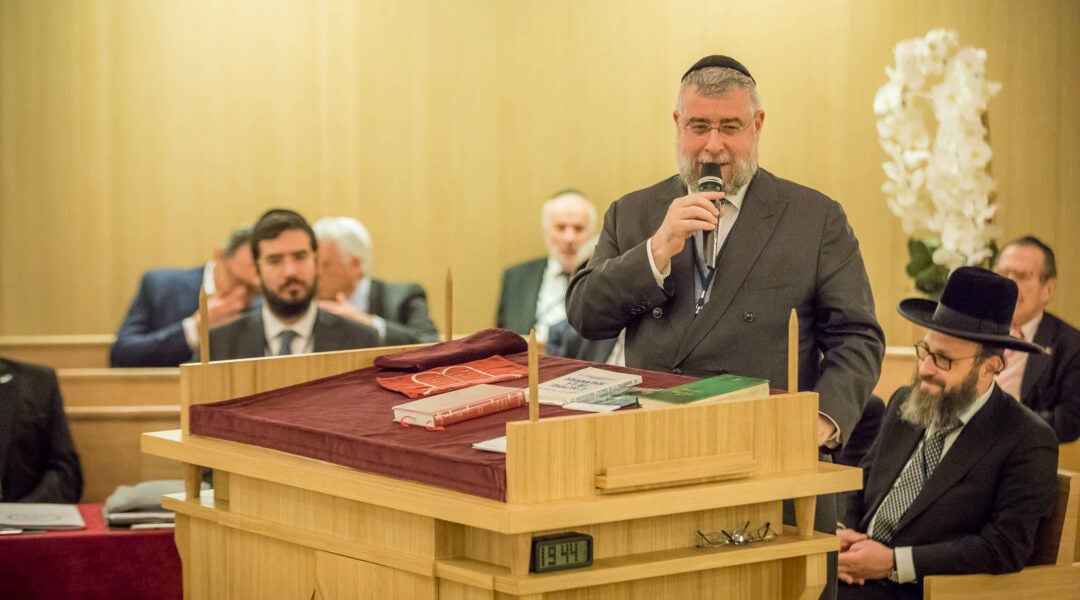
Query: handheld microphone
pixel 711 181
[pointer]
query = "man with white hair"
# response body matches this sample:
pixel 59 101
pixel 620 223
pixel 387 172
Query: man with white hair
pixel 533 292
pixel 398 311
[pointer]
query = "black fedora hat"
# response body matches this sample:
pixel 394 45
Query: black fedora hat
pixel 977 305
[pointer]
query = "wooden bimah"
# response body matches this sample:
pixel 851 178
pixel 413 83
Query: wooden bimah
pixel 641 483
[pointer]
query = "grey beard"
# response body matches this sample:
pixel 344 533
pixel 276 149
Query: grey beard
pixel 938 410
pixel 742 173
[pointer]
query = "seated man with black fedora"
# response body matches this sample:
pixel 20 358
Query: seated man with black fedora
pixel 961 473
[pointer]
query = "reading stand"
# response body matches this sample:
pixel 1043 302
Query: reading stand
pixel 640 482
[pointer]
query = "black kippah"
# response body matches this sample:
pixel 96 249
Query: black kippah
pixel 718 60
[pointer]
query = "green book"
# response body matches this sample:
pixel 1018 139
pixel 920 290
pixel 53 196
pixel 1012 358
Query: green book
pixel 721 388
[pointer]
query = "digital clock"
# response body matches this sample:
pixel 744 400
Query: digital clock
pixel 559 551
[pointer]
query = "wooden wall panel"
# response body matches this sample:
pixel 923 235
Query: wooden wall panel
pixel 135 134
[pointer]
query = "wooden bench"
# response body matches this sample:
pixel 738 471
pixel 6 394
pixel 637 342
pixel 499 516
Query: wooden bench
pixel 107 410
pixel 59 351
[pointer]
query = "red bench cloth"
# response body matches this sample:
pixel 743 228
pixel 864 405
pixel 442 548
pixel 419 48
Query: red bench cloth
pixel 347 420
pixel 91 564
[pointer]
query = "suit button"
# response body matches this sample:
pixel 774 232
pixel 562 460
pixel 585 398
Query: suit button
pixel 657 312
pixel 748 317
pixel 676 371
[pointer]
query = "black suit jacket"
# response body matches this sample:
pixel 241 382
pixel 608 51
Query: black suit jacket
pixel 1051 382
pixel 404 308
pixel 520 290
pixel 791 247
pixel 38 462
pixel 245 338
pixel 980 508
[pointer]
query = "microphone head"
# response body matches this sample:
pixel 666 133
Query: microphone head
pixel 710 180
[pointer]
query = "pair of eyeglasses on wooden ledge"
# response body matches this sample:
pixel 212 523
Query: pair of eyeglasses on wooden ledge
pixel 737 537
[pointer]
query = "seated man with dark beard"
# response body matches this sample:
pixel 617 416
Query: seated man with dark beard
pixel 284 249
pixel 961 473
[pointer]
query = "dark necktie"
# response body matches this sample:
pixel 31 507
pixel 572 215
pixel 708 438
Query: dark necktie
pixel 286 338
pixel 910 483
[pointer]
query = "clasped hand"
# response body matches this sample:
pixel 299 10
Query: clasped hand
pixel 862 558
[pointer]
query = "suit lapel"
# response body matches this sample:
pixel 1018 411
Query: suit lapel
pixel 758 217
pixel 376 298
pixel 253 342
pixel 973 443
pixel 327 337
pixel 1045 336
pixel 889 462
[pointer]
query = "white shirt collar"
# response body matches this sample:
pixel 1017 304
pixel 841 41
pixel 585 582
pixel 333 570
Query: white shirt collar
pixel 208 278
pixel 737 198
pixel 304 327
pixel 553 269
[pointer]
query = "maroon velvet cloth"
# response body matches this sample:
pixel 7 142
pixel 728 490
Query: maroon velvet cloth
pixel 481 344
pixel 347 419
pixel 90 564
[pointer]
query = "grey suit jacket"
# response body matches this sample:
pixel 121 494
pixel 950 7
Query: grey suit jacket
pixel 517 301
pixel 791 247
pixel 404 308
pixel 980 508
pixel 38 461
pixel 1051 382
pixel 244 337
pixel 564 341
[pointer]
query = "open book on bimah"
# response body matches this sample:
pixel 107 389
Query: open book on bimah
pixel 28 515
pixel 584 385
pixel 459 405
pixel 721 388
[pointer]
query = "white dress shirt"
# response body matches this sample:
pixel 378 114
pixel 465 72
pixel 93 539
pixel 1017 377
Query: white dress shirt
pixel 361 301
pixel 551 299
pixel 304 343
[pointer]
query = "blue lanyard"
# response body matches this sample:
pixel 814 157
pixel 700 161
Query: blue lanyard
pixel 705 276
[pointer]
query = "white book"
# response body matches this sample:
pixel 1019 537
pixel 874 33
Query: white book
pixel 28 515
pixel 585 385
pixel 451 407
pixel 493 445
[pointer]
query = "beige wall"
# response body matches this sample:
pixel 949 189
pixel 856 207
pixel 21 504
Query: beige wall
pixel 134 134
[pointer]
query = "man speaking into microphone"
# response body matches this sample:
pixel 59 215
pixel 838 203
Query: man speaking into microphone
pixel 779 245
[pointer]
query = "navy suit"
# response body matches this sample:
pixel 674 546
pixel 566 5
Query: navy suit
pixel 246 338
pixel 520 290
pixel 151 334
pixel 978 511
pixel 38 462
pixel 1051 382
